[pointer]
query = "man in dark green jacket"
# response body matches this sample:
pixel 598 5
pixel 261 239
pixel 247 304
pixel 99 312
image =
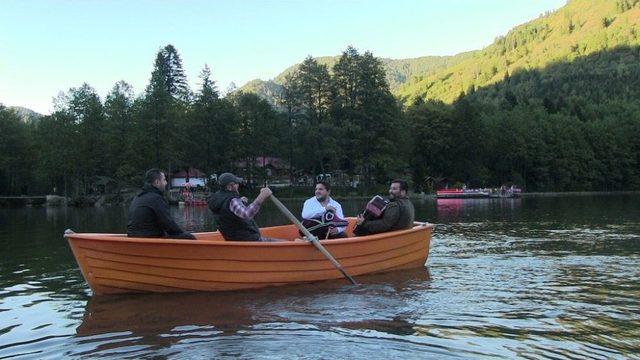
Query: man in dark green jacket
pixel 398 215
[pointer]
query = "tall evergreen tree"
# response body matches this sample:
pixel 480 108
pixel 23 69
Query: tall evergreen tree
pixel 175 78
pixel 315 89
pixel 58 163
pixel 258 132
pixel 211 127
pixel 291 101
pixel 84 107
pixel 432 139
pixel 165 103
pixel 364 106
pixel 346 106
pixel 120 131
pixel 17 157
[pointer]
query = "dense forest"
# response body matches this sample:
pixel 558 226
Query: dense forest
pixel 328 122
pixel 551 106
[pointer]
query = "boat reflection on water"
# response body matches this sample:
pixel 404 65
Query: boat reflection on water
pixel 161 313
pixel 456 209
pixel 229 312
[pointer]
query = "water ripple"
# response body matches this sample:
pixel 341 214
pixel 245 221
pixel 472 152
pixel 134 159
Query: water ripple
pixel 535 279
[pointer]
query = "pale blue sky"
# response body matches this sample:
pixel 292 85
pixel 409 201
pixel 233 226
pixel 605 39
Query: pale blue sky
pixel 49 46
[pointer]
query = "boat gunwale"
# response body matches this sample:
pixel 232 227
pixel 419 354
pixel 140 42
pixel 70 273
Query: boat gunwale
pixel 107 237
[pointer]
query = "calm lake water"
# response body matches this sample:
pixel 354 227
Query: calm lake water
pixel 539 277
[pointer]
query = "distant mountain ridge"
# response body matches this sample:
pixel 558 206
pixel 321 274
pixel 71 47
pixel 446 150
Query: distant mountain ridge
pixel 25 114
pixel 580 28
pixel 399 71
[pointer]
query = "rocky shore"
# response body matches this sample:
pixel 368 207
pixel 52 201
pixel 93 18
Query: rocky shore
pixel 91 200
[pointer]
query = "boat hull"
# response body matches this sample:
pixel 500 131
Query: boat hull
pixel 112 263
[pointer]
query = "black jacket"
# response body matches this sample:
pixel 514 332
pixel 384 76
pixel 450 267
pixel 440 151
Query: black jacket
pixel 230 225
pixel 149 216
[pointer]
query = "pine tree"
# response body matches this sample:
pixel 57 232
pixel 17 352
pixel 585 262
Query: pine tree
pixel 175 79
pixel 17 157
pixel 120 132
pixel 258 132
pixel 315 89
pixel 84 107
pixel 291 101
pixel 165 102
pixel 210 127
pixel 58 164
pixel 346 104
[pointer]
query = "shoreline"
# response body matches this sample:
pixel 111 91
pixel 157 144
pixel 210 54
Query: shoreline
pixel 543 194
pixel 60 201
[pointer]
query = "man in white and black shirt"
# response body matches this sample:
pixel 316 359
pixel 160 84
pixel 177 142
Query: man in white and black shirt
pixel 322 202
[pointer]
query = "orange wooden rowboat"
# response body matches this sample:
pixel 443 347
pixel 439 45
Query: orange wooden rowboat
pixel 115 263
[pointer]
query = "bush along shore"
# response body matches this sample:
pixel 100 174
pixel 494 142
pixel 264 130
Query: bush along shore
pixel 125 197
pixel 174 197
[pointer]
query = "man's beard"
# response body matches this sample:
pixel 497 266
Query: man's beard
pixel 321 198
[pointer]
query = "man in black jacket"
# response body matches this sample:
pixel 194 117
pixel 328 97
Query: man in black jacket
pixel 149 213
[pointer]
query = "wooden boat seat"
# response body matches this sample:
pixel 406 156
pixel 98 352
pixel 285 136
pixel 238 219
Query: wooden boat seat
pixel 286 232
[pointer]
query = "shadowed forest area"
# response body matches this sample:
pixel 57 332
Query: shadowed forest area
pixel 569 126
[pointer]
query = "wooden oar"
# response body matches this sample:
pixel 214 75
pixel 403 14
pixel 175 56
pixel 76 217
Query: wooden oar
pixel 313 239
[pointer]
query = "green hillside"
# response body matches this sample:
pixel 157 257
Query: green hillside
pixel 580 28
pixel 398 72
pixel 553 105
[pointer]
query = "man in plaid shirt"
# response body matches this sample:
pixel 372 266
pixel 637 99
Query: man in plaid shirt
pixel 233 214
